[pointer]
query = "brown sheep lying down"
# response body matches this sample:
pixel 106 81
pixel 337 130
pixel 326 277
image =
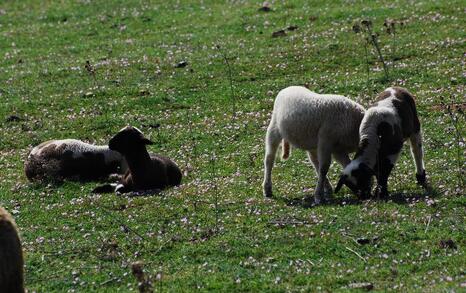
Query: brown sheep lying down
pixel 145 172
pixel 72 159
pixel 11 255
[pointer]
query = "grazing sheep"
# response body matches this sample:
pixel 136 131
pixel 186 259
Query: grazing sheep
pixel 323 125
pixel 383 131
pixel 11 255
pixel 145 172
pixel 56 160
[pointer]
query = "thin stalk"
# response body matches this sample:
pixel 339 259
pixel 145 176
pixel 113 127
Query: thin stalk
pixel 367 65
pixel 214 179
pixel 230 79
pixel 379 52
pixel 454 122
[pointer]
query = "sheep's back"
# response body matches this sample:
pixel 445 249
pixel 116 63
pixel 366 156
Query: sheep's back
pixel 56 160
pixel 174 174
pixel 56 148
pixel 303 117
pixel 401 101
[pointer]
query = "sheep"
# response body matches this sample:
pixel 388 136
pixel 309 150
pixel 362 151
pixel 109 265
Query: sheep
pixel 384 129
pixel 11 255
pixel 322 125
pixel 56 160
pixel 145 172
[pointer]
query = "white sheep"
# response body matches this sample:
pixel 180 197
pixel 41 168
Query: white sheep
pixel 146 172
pixel 323 125
pixel 382 133
pixel 11 255
pixel 56 160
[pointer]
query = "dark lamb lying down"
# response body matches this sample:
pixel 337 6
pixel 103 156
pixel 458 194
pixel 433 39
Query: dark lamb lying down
pixel 57 160
pixel 145 172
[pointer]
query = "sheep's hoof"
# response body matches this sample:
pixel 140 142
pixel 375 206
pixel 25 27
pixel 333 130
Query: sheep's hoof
pixel 328 198
pixel 328 194
pixel 323 199
pixel 427 188
pixel 364 195
pixel 268 191
pixel 381 192
pixel 317 200
pixel 422 179
pixel 328 189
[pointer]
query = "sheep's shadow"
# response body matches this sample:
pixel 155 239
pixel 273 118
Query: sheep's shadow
pixel 307 201
pixel 59 181
pixel 404 198
pixel 141 193
pixel 113 188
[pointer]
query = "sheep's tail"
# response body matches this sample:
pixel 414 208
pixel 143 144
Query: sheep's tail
pixel 285 150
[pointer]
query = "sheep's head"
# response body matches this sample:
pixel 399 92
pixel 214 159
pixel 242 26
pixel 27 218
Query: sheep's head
pixel 357 177
pixel 128 140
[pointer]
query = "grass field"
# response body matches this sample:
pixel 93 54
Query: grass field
pixel 216 232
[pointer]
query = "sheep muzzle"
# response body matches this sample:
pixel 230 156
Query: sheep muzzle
pixel 341 182
pixel 354 188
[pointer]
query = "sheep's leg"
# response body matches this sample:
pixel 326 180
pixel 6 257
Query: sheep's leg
pixel 114 177
pixel 120 188
pixel 312 155
pixel 381 190
pixel 383 170
pixel 324 157
pixel 272 141
pixel 342 158
pixel 106 188
pixel 417 153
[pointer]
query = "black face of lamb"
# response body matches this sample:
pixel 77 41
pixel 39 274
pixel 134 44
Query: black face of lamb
pixel 349 184
pixel 363 175
pixel 128 140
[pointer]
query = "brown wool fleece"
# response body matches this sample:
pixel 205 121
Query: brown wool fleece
pixel 11 255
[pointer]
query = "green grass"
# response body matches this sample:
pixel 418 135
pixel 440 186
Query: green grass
pixel 216 231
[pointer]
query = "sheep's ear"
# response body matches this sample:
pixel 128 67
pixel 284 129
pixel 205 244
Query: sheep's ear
pixel 341 182
pixel 147 141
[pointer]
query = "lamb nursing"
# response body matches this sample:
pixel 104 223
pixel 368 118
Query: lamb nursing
pixel 322 125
